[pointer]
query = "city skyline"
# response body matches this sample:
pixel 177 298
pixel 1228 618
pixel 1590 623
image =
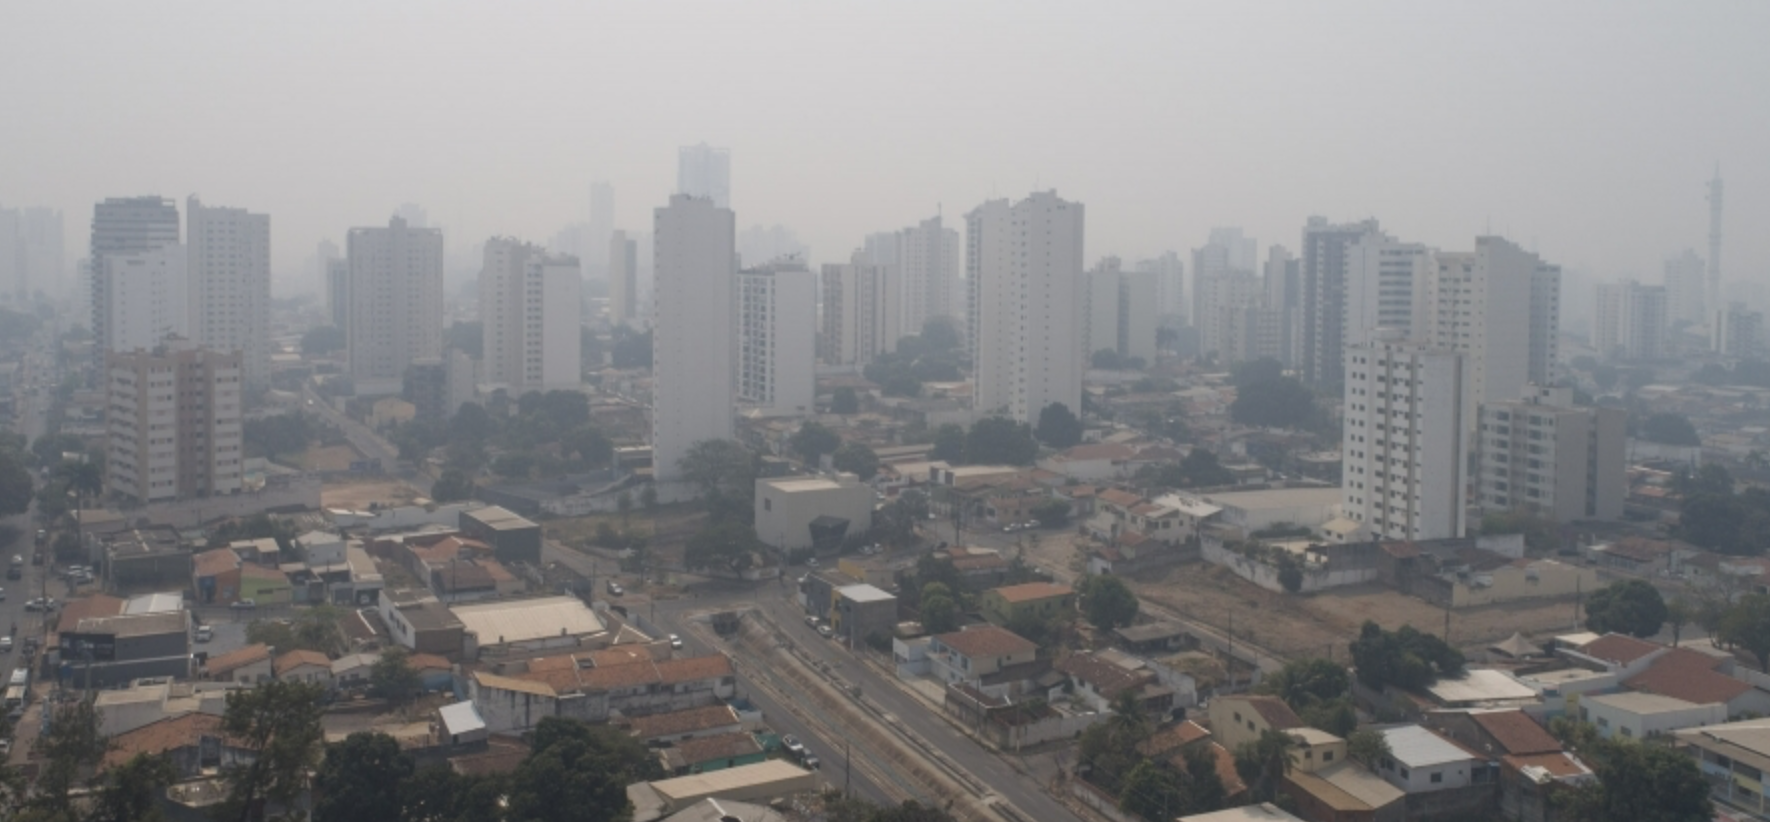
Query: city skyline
pixel 1584 185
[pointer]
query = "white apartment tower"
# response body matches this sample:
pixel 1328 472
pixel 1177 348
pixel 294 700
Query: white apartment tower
pixel 928 259
pixel 705 172
pixel 1544 455
pixel 121 226
pixel 1100 314
pixel 693 356
pixel 623 280
pixel 1323 284
pixel 31 251
pixel 1404 439
pixel 173 422
pixel 1170 274
pixel 1379 286
pixel 1737 331
pixel 1499 306
pixel 777 339
pixel 529 317
pixel 1139 314
pixel 396 302
pixel 599 232
pixel 1629 320
pixel 856 299
pixel 148 299
pixel 1024 263
pixel 1686 284
pixel 228 252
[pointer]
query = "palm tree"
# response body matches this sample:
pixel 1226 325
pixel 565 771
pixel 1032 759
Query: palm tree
pixel 1263 762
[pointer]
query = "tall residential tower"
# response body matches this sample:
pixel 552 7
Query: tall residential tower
pixel 693 343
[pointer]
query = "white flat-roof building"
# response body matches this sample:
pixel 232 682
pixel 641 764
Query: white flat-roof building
pixel 787 507
pixel 542 622
pixel 1420 761
pixel 1639 715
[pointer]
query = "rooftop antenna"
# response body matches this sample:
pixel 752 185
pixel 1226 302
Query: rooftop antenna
pixel 1714 295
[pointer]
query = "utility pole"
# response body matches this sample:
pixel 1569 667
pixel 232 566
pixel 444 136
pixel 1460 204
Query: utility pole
pixel 847 767
pixel 1230 662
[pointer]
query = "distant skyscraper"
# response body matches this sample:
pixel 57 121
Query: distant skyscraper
pixel 1100 308
pixel 760 246
pixel 529 317
pixel 623 280
pixel 396 302
pixel 693 348
pixel 1170 285
pixel 1024 264
pixel 856 299
pixel 147 298
pixel 1714 290
pixel 1404 439
pixel 1737 331
pixel 928 262
pixel 885 250
pixel 705 171
pixel 1284 297
pixel 120 226
pixel 777 338
pixel 414 215
pixel 602 225
pixel 1629 321
pixel 1139 297
pixel 173 422
pixel 32 248
pixel 1497 306
pixel 338 293
pixel 1224 287
pixel 1686 289
pixel 1379 286
pixel 1324 296
pixel 229 263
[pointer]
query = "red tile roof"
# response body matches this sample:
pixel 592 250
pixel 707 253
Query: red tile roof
pixel 165 735
pixel 987 641
pixel 97 605
pixel 682 722
pixel 427 662
pixel 1618 648
pixel 1516 732
pixel 1031 591
pixel 297 658
pixel 1690 676
pixel 1107 679
pixel 216 562
pixel 228 662
pixel 1558 764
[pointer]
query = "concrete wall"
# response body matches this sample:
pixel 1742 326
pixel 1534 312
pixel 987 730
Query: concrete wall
pixel 1265 575
pixel 1538 580
pixel 783 518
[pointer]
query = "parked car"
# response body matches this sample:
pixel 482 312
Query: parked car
pixel 676 642
pixel 205 633
pixel 823 630
pixel 811 762
pixel 812 620
pixel 244 605
pixel 615 589
pixel 5 645
pixel 793 745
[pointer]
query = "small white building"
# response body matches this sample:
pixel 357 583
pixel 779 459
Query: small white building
pixel 321 549
pixel 787 506
pixel 1421 761
pixel 1639 715
pixel 460 724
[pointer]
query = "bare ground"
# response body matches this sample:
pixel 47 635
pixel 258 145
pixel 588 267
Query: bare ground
pixel 358 494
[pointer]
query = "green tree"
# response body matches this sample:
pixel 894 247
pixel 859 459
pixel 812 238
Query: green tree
pixel 279 721
pixel 130 792
pixel 624 504
pixel 1713 521
pixel 1636 781
pixel 359 779
pixel 1746 624
pixel 392 677
pixel 725 473
pixel 15 484
pixel 940 611
pixel 438 794
pixel 1669 429
pixel 587 446
pixel 454 485
pixel 1053 514
pixel 1679 612
pixel 857 459
pixel 939 334
pixel 729 546
pixel 813 440
pixel 1058 427
pixel 1630 606
pixel 578 772
pixel 1405 658
pixel 1198 469
pixel 648 497
pixel 949 444
pixel 1153 793
pixel 895 522
pixel 322 340
pixel 1108 602
pixel 1000 441
pixel 1306 682
pixel 1368 745
pixel 74 746
pixel 1280 402
pixel 845 401
pixel 468 337
pixel 1263 763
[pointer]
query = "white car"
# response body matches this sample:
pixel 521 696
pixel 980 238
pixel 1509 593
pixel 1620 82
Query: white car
pixel 676 642
pixel 5 644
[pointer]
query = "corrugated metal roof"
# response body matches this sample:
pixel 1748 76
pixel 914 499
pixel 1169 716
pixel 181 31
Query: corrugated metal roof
pixel 1416 747
pixel 461 718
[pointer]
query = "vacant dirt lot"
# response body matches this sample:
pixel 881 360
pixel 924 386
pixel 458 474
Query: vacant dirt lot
pixel 328 458
pixel 359 494
pixel 1321 624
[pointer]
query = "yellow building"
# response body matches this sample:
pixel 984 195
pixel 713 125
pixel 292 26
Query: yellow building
pixel 1042 600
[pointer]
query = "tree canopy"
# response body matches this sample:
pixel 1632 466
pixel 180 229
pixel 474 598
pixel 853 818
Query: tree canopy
pixel 1319 691
pixel 1669 429
pixel 279 721
pixel 1630 606
pixel 1265 397
pixel 845 401
pixel 725 473
pixel 949 443
pixel 940 610
pixel 16 487
pixel 1746 624
pixel 1405 658
pixel 1058 426
pixel 1638 781
pixel 728 546
pixel 454 484
pixel 1198 469
pixel 322 340
pixel 813 440
pixel 360 779
pixel 1000 441
pixel 1107 602
pixel 857 459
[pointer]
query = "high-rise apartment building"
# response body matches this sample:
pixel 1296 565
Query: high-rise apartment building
pixel 1686 282
pixel 928 262
pixel 1170 281
pixel 396 302
pixel 705 172
pixel 1100 308
pixel 529 317
pixel 1379 286
pixel 623 280
pixel 1139 317
pixel 1543 455
pixel 1629 320
pixel 1219 300
pixel 1120 311
pixel 1284 298
pixel 1737 331
pixel 338 293
pixel 1404 439
pixel 857 298
pixel 1499 306
pixel 124 225
pixel 777 339
pixel 1024 264
pixel 147 297
pixel 1324 296
pixel 32 251
pixel 600 230
pixel 694 341
pixel 228 251
pixel 173 422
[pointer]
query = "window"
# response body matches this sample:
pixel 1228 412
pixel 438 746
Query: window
pixel 1327 756
pixel 1437 778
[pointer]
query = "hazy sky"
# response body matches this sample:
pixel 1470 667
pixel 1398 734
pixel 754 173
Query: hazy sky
pixel 1586 129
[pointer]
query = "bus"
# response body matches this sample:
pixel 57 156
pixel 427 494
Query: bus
pixel 15 697
pixel 20 678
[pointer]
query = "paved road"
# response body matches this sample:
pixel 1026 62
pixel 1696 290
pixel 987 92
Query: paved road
pixel 367 442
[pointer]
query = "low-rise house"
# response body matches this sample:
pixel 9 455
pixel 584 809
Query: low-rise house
pixel 1098 682
pixel 434 672
pixel 1030 600
pixel 1238 719
pixel 521 693
pixel 351 671
pixel 525 625
pixel 711 753
pixel 147 701
pixel 1091 462
pixel 192 743
pixel 1345 791
pixel 1734 758
pixel 460 724
pixel 1438 775
pixel 215 576
pixel 676 726
pixel 299 665
pixel 421 623
pixel 1154 637
pixel 1263 812
pixel 248 665
pixel 1635 715
pixel 816 512
pixel 321 549
pixel 107 651
pixel 1697 678
pixel 513 538
pixel 983 652
pixel 1529 783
